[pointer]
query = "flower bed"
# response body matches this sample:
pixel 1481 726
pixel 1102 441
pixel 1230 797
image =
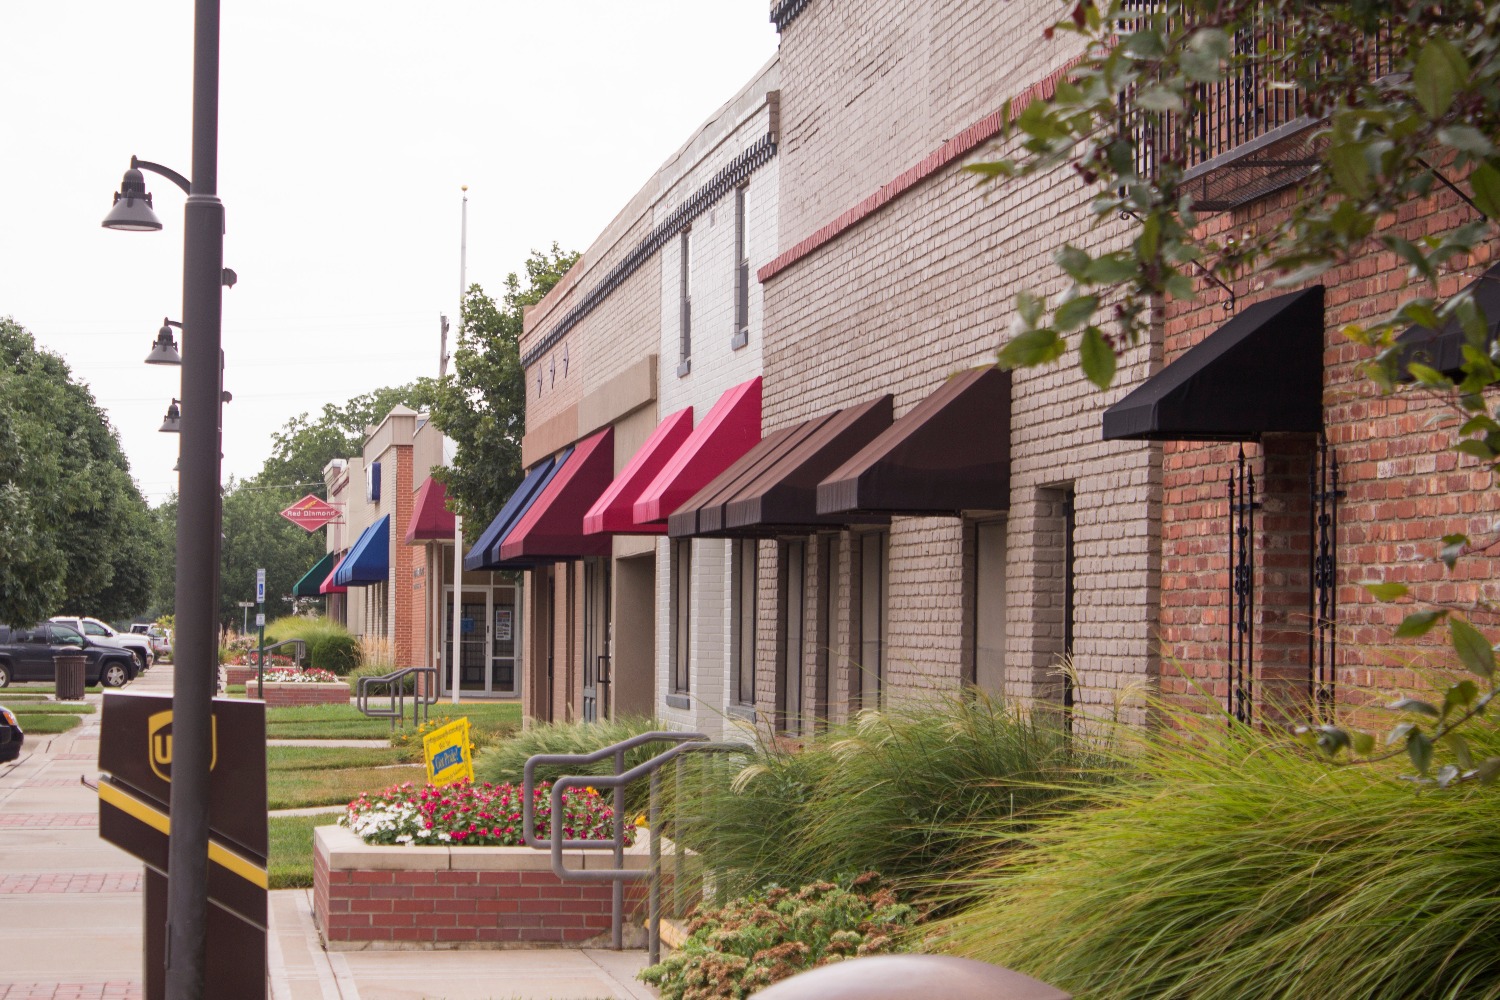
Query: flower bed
pixel 398 893
pixel 478 814
pixel 298 687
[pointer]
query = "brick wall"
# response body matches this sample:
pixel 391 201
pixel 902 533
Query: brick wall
pixel 917 284
pixel 471 898
pixel 1404 490
pixel 284 695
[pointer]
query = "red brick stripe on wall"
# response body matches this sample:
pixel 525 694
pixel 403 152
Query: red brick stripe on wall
pixel 959 146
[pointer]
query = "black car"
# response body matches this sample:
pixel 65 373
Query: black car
pixel 26 654
pixel 11 736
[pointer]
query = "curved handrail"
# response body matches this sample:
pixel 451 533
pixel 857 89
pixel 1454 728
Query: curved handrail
pixel 301 644
pixel 422 696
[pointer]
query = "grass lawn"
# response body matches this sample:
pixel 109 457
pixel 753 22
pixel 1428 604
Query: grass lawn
pixel 24 689
pixel 291 862
pixel 34 723
pixel 332 776
pixel 491 720
pixel 52 708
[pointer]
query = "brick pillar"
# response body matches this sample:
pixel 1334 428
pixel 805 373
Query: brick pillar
pixel 409 612
pixel 1282 582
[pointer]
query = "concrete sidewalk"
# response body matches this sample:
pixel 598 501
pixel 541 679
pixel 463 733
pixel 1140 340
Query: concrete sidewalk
pixel 73 908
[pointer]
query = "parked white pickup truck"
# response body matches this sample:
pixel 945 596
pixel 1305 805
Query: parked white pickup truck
pixel 139 645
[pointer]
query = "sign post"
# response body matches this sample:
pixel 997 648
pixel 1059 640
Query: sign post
pixel 135 754
pixel 260 623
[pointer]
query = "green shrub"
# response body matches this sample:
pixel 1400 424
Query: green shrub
pixel 337 654
pixel 1238 866
pixel 506 760
pixel 366 669
pixel 753 942
pixel 902 792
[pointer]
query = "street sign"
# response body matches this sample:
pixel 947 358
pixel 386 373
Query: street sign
pixel 260 621
pixel 310 513
pixel 260 586
pixel 135 752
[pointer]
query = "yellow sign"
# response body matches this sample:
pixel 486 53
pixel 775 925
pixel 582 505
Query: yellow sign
pixel 446 749
pixel 159 737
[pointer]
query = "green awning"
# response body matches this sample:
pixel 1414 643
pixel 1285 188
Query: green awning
pixel 313 578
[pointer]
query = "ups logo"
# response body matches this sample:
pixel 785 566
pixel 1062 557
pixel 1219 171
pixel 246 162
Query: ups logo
pixel 159 740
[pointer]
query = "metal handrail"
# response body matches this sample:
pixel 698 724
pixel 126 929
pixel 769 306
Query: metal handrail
pixel 685 743
pixel 421 698
pixel 301 645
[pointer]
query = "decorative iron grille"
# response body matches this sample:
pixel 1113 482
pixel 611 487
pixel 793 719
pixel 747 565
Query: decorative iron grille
pixel 1241 658
pixel 1249 135
pixel 1323 527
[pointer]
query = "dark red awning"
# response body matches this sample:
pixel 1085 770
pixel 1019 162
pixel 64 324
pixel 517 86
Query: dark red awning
pixel 951 453
pixel 430 516
pixel 552 528
pixel 615 510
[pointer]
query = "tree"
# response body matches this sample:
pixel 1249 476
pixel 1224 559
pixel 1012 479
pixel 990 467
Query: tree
pixel 303 446
pixel 1409 97
pixel 74 529
pixel 482 405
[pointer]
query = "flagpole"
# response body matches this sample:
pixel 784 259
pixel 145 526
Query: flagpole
pixel 458 521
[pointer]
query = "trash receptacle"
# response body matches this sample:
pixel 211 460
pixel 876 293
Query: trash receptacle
pixel 69 669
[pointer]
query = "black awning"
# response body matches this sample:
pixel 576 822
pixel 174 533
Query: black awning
pixel 1444 349
pixel 1261 372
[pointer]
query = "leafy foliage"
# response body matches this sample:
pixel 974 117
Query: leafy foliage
pixel 1236 866
pixel 75 532
pixel 482 405
pixel 900 791
pixel 1432 97
pixel 753 942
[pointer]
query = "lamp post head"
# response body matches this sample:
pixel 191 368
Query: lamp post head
pixel 172 424
pixel 164 350
pixel 132 210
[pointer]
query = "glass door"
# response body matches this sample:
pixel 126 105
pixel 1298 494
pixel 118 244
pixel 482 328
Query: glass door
pixel 505 639
pixel 473 642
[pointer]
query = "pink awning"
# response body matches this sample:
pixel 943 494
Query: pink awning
pixel 552 528
pixel 430 516
pixel 615 510
pixel 329 587
pixel 731 428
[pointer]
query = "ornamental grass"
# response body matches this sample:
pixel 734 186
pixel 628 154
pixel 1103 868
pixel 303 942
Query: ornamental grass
pixel 1234 865
pixel 909 792
pixel 474 815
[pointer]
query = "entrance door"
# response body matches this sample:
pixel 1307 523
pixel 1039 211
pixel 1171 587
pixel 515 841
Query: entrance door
pixel 503 646
pixel 473 642
pixel 595 639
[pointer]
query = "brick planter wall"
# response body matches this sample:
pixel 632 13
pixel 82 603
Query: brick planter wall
pixel 441 898
pixel 239 675
pixel 281 695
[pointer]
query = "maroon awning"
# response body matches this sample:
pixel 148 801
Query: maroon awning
pixel 773 489
pixel 430 516
pixel 951 453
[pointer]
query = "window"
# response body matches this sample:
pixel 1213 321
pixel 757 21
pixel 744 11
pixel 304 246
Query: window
pixel 682 589
pixel 870 686
pixel 794 605
pixel 987 671
pixel 746 578
pixel 685 308
pixel 741 274
pixel 372 482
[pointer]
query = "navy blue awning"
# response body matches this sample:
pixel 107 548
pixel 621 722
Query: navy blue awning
pixel 369 561
pixel 485 553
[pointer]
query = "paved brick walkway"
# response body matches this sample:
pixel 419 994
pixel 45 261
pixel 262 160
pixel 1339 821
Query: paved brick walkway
pixel 71 991
pixel 49 820
pixel 34 882
pixel 50 782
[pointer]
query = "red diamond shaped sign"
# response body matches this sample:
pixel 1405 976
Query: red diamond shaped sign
pixel 310 513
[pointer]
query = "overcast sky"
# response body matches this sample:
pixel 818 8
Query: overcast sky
pixel 346 132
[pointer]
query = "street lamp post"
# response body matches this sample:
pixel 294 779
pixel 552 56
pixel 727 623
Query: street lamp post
pixel 198 512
